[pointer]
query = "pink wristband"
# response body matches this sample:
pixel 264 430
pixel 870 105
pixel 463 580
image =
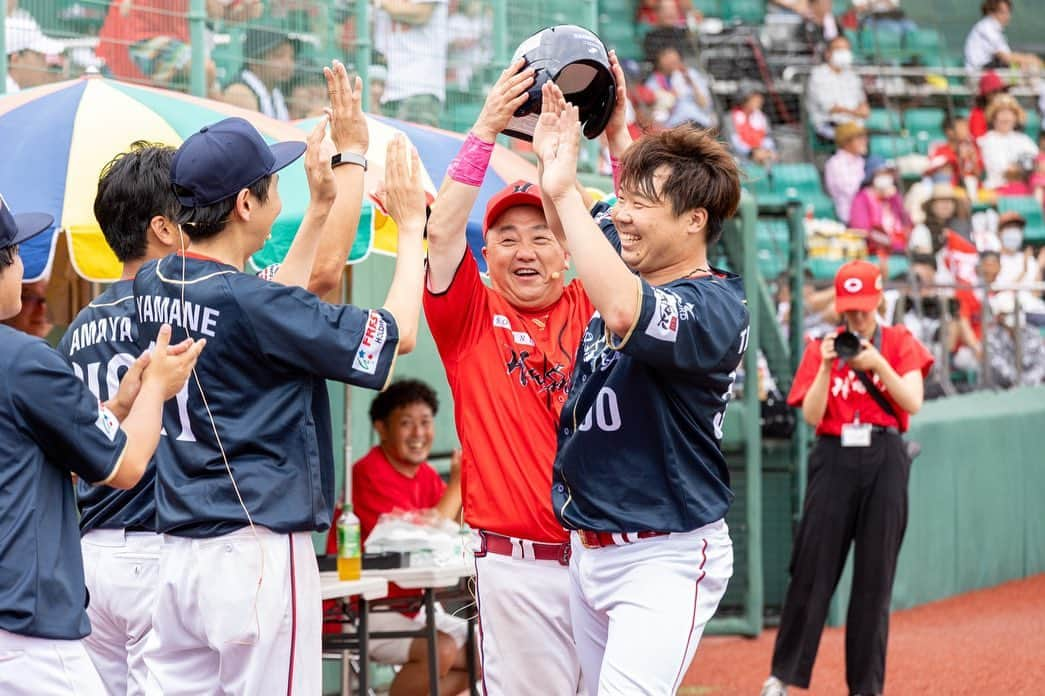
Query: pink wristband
pixel 469 167
pixel 615 163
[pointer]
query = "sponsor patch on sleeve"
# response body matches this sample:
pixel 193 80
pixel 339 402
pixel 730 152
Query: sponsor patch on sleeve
pixel 374 337
pixel 107 422
pixel 664 324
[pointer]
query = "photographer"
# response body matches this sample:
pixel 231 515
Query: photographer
pixel 859 388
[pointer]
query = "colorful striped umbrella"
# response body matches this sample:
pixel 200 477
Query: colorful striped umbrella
pixel 55 139
pixel 437 149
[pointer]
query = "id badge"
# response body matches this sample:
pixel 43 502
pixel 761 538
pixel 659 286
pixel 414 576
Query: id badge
pixel 856 435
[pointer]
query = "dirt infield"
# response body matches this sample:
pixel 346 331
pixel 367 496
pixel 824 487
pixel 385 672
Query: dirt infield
pixel 985 642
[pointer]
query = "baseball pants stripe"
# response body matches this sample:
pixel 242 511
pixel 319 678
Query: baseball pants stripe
pixel 122 570
pixel 45 667
pixel 237 614
pixel 525 635
pixel 639 609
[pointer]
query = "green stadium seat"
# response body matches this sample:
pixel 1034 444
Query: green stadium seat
pixel 796 179
pixel 709 8
pixel 747 11
pixel 924 44
pixel 755 179
pixel 892 146
pixel 773 239
pixel 883 121
pixel 1033 125
pixel 882 43
pixel 618 7
pixel 1031 210
pixel 925 126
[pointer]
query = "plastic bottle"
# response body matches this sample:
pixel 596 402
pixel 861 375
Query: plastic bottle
pixel 349 553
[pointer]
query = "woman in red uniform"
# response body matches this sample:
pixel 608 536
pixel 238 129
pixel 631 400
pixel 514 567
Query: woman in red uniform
pixel 859 388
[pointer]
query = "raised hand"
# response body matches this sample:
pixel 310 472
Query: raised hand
pixel 348 126
pixel 170 367
pixel 552 104
pixel 507 95
pixel 404 194
pixel 559 154
pixel 321 183
pixel 617 134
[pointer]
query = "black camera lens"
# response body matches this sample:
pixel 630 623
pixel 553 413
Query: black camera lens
pixel 847 345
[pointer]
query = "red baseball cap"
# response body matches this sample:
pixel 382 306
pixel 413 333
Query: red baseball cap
pixel 512 195
pixel 990 82
pixel 858 286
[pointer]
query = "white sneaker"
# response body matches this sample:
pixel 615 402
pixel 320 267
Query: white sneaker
pixel 774 687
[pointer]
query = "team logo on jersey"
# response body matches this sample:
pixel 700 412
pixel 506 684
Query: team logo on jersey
pixel 501 322
pixel 664 324
pixel 851 384
pixel 107 422
pixel 374 336
pixel 522 338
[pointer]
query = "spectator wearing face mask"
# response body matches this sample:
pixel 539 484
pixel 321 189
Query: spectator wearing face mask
pixel 1018 265
pixel 835 93
pixel 1004 145
pixel 878 210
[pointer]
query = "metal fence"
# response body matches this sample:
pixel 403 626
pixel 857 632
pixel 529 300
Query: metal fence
pixel 429 62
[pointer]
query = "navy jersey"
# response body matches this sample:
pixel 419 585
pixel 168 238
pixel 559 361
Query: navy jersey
pixel 269 350
pixel 639 438
pixel 101 344
pixel 50 426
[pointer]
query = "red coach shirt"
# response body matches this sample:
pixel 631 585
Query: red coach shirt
pixel 509 373
pixel 847 396
pixel 378 488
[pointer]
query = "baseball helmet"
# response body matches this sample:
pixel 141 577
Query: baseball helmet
pixel 576 60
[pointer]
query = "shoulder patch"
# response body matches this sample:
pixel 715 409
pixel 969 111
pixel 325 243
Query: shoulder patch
pixel 107 422
pixel 374 337
pixel 664 324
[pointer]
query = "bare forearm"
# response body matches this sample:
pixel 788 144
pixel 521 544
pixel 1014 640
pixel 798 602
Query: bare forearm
pixel 297 264
pixel 907 391
pixel 814 405
pixel 407 11
pixel 142 426
pixel 339 232
pixel 449 506
pixel 404 296
pixel 447 225
pixel 607 280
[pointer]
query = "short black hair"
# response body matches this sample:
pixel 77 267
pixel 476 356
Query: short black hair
pixel 402 393
pixel 702 174
pixel 7 256
pixel 207 221
pixel 991 6
pixel 984 255
pixel 950 120
pixel 133 188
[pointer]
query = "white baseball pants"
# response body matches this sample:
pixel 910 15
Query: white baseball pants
pixel 237 614
pixel 525 637
pixel 122 571
pixel 45 667
pixel 640 608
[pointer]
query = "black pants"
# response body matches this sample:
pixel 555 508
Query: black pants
pixel 855 494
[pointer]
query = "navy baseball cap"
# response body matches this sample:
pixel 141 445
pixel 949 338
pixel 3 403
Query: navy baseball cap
pixel 223 159
pixel 15 229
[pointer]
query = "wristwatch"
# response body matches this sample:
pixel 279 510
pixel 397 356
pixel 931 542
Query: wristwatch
pixel 348 158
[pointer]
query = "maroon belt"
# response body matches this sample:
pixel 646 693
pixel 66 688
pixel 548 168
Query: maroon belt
pixel 598 540
pixel 519 548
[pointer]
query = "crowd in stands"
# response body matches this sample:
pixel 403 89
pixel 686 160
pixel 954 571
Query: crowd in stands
pixel 947 206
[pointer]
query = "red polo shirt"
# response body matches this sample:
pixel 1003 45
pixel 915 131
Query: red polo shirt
pixel 847 395
pixel 509 373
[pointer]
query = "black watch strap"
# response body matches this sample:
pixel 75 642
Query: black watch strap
pixel 348 158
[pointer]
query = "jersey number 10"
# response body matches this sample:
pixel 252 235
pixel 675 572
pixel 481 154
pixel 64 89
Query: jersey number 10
pixel 114 372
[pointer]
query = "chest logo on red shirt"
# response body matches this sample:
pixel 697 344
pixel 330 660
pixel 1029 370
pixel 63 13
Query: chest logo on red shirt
pixel 850 383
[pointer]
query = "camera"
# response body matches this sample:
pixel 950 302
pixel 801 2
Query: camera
pixel 847 345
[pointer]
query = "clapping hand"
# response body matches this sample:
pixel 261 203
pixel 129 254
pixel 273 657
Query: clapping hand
pixel 403 196
pixel 560 147
pixel 318 169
